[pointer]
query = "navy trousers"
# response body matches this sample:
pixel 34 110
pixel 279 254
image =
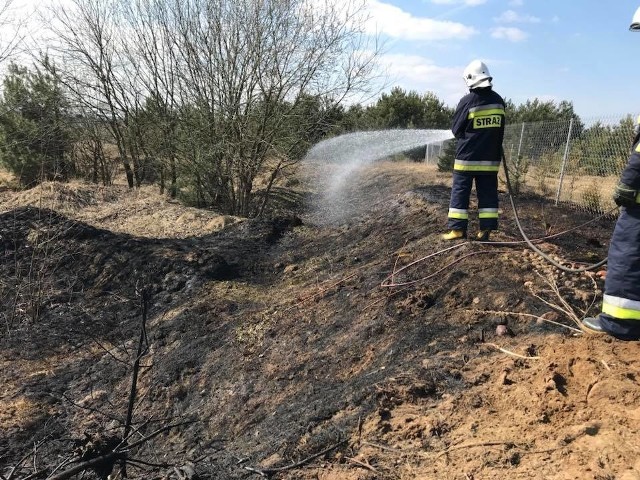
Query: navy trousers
pixel 620 315
pixel 487 191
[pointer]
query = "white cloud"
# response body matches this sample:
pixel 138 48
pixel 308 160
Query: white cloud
pixel 414 72
pixel 516 3
pixel 396 23
pixel 471 3
pixel 509 33
pixel 511 16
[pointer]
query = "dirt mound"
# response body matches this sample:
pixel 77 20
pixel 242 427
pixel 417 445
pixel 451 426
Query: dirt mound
pixel 142 212
pixel 278 345
pixel 63 197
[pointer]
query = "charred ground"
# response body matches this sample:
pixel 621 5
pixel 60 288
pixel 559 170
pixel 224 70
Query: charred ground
pixel 274 339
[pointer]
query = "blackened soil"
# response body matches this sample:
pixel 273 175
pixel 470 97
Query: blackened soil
pixel 278 338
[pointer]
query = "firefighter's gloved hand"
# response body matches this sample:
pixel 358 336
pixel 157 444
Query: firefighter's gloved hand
pixel 624 195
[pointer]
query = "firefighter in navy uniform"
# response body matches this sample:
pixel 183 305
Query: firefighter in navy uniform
pixel 478 126
pixel 620 315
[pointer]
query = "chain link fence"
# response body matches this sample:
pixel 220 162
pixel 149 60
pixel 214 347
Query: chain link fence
pixel 574 162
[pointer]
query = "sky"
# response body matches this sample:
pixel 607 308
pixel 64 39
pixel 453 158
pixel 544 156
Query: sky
pixel 576 50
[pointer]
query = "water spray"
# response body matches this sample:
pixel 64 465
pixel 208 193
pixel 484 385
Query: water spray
pixel 346 154
pixel 352 151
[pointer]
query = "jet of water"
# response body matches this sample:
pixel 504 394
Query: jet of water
pixel 349 153
pixel 366 147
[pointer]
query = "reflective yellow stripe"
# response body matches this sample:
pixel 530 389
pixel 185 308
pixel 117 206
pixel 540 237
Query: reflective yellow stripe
pixel 488 215
pixel 486 113
pixel 638 198
pixel 459 216
pixel 620 307
pixel 619 312
pixel 477 168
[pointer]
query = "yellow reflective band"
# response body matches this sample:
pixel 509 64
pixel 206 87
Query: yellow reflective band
pixel 619 312
pixel 477 168
pixel 637 149
pixel 459 216
pixel 620 307
pixel 488 215
pixel 638 198
pixel 486 113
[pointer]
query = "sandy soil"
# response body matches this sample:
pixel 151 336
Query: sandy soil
pixel 320 344
pixel 142 212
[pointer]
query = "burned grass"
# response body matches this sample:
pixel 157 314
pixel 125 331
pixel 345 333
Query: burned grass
pixel 276 340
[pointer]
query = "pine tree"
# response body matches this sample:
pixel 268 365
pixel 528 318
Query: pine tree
pixel 447 156
pixel 34 140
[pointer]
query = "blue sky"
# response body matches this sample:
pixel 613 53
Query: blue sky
pixel 576 50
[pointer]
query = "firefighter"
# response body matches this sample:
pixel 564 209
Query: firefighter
pixel 478 126
pixel 620 315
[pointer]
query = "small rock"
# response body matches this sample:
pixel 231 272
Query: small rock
pixel 502 330
pixel 503 379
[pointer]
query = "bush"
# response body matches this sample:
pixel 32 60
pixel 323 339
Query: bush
pixel 518 169
pixel 592 197
pixel 447 157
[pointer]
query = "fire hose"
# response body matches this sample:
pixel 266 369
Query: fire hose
pixel 531 245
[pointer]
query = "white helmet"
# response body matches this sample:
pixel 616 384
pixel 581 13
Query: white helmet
pixel 477 75
pixel 635 22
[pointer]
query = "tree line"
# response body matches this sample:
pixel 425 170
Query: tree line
pixel 211 100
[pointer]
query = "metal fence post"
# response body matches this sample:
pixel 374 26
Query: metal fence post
pixel 520 143
pixel 564 161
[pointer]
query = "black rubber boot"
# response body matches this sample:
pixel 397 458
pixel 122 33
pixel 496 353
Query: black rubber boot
pixel 592 325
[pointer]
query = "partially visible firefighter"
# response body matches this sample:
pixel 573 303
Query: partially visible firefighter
pixel 620 315
pixel 478 126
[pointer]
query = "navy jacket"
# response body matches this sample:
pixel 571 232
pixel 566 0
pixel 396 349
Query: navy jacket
pixel 631 174
pixel 478 126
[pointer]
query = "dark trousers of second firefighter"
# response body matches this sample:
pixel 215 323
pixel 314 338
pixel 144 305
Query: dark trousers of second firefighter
pixel 622 284
pixel 487 192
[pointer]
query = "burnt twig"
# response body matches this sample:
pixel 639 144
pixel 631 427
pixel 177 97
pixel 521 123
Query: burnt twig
pixel 266 472
pixel 143 348
pixel 107 461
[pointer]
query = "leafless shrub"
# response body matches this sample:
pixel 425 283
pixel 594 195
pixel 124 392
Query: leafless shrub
pixel 32 282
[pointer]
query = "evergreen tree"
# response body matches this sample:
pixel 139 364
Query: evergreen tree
pixel 447 156
pixel 546 125
pixel 401 109
pixel 34 138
